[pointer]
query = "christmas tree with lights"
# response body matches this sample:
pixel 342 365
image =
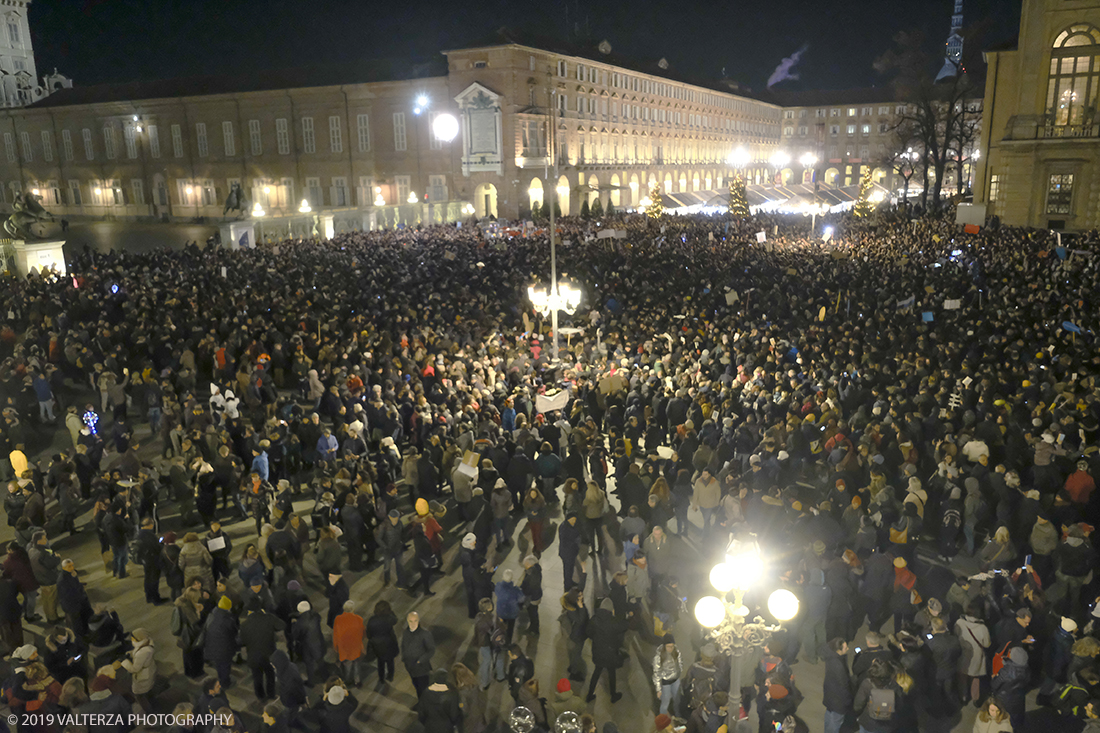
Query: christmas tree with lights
pixel 739 201
pixel 863 206
pixel 656 206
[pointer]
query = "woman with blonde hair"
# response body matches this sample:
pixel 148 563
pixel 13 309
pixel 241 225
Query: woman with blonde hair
pixel 471 696
pixel 999 552
pixel 992 718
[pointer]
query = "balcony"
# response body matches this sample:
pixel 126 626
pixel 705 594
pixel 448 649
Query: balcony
pixel 1042 127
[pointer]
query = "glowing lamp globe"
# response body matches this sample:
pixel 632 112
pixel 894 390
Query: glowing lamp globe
pixel 722 577
pixel 783 605
pixel 710 612
pixel 445 127
pixel 746 569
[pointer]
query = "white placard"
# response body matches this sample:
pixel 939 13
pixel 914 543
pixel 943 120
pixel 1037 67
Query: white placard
pixel 952 305
pixel 761 237
pixel 215 543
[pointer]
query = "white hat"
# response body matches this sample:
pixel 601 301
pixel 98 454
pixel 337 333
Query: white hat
pixel 1048 438
pixel 753 460
pixel 783 455
pixel 25 653
pixel 303 606
pixel 336 694
pixel 1068 624
pixel 469 541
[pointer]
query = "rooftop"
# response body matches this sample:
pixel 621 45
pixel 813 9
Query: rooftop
pixel 826 97
pixel 591 50
pixel 376 70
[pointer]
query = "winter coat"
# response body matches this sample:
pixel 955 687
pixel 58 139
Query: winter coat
pixel 221 636
pixel 974 637
pixel 347 636
pixel 417 650
pixel 381 638
pixel 439 711
pixel 258 636
pixel 836 695
pixel 305 631
pixel 509 600
pixel 288 680
pixel 336 718
pixel 666 667
pixel 195 562
pixel 473 709
pixel 1010 686
pixel 142 667
pixel 606 632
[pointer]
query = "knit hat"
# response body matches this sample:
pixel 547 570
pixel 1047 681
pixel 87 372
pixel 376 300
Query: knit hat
pixel 782 455
pixel 1068 624
pixel 668 639
pixel 294 585
pixel 336 695
pixel 819 547
pixel 422 507
pixel 469 542
pixel 225 604
pixel 564 686
pixel 1018 655
pixel 394 514
pixel 899 562
pixel 303 606
pixel 24 653
pixel 662 721
pixel 777 692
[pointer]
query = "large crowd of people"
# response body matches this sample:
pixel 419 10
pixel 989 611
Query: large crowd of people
pixel 903 418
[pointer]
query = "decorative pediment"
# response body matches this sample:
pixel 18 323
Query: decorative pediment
pixel 478 96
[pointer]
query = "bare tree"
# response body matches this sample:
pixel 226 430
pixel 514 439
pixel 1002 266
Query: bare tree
pixel 901 152
pixel 935 112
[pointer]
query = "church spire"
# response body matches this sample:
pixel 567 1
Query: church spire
pixel 952 61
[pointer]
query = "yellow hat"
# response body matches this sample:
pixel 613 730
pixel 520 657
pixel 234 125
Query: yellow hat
pixel 1027 383
pixel 899 562
pixel 225 604
pixel 422 507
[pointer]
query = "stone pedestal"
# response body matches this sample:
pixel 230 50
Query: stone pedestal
pixel 238 234
pixel 46 255
pixel 328 226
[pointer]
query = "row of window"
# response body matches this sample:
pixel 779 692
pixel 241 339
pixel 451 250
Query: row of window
pixel 592 106
pixel 271 194
pixel 852 112
pixel 133 133
pixel 618 80
pixel 834 130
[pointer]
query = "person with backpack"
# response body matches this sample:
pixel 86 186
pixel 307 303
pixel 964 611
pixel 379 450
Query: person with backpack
pixel 698 682
pixel 1010 684
pixel 489 636
pixel 877 700
pixel 710 716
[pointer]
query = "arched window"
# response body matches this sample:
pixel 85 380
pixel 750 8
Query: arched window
pixel 1074 75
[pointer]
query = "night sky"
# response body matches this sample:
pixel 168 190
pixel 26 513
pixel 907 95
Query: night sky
pixel 101 41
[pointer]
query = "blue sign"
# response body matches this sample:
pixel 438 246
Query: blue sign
pixel 927 316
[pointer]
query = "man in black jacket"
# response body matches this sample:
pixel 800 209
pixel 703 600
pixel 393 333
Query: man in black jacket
pixel 569 546
pixel 258 633
pixel 837 693
pixel 117 531
pixel 876 649
pixel 355 532
pixel 148 554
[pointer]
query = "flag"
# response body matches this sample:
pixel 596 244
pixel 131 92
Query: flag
pixel 907 303
pixel 1071 327
pixel 243 241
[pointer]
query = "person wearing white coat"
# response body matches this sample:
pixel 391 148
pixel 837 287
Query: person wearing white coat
pixel 142 666
pixel 974 636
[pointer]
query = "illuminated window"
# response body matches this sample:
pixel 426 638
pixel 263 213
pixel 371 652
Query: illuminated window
pixel 1074 74
pixel 1060 193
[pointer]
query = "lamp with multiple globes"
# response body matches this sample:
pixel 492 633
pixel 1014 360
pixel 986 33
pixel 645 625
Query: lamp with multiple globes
pixel 739 158
pixel 560 297
pixel 743 568
pixel 305 208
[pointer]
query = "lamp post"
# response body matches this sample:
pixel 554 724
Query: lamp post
pixel 560 297
pixel 743 568
pixel 779 161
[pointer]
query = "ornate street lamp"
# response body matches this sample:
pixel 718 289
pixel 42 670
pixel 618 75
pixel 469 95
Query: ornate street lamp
pixel 729 631
pixel 560 297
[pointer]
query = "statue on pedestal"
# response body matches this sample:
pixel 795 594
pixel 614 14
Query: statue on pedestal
pixel 26 212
